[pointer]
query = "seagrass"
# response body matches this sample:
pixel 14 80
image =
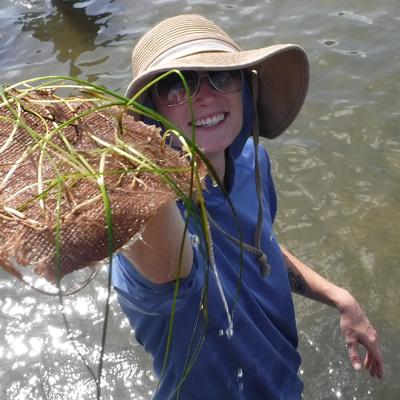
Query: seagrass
pixel 43 181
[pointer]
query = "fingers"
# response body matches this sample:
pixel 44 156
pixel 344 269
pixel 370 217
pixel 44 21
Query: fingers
pixel 376 368
pixel 374 359
pixel 357 330
pixel 371 363
pixel 379 370
pixel 368 360
pixel 354 355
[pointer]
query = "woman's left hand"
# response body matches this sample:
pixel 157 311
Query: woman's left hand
pixel 354 323
pixel 357 330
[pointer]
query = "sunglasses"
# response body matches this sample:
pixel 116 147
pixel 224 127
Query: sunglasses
pixel 171 92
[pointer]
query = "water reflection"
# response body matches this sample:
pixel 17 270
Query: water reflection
pixel 70 28
pixel 37 361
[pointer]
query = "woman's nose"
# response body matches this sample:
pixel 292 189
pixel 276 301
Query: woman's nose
pixel 205 89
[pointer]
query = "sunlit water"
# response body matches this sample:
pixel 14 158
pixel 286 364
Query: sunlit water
pixel 336 170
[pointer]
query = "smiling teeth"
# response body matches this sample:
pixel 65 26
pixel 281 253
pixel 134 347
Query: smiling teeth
pixel 209 121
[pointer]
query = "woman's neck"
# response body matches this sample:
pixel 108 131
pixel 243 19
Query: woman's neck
pixel 217 160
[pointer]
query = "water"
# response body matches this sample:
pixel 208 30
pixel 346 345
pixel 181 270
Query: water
pixel 336 170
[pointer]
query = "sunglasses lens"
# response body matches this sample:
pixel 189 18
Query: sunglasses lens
pixel 171 91
pixel 226 81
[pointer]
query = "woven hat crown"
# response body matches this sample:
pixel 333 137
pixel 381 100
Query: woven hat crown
pixel 174 32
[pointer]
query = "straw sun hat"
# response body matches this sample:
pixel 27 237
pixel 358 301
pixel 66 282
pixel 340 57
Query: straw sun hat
pixel 192 42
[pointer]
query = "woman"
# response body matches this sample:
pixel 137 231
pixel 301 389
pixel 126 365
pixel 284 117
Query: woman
pixel 252 353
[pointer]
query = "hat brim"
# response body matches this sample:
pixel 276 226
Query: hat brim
pixel 283 77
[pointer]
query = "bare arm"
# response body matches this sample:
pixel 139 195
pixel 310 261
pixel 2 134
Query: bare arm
pixel 157 254
pixel 354 323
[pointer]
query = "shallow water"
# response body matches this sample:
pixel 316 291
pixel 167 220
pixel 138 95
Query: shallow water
pixel 336 169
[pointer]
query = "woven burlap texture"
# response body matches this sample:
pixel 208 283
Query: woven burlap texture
pixel 29 165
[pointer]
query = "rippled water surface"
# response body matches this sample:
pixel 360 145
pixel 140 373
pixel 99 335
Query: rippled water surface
pixel 337 171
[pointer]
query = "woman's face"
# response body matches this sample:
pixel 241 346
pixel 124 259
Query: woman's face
pixel 218 116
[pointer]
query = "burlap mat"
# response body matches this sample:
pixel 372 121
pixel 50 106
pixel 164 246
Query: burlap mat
pixel 50 177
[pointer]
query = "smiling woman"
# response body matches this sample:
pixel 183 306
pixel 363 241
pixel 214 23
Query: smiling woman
pixel 230 94
pixel 336 170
